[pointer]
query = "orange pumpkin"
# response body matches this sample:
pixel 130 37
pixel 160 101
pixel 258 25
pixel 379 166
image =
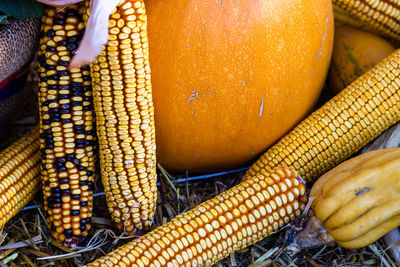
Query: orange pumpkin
pixel 354 53
pixel 231 77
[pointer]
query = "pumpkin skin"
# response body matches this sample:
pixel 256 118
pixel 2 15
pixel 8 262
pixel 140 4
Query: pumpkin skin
pixel 354 53
pixel 231 77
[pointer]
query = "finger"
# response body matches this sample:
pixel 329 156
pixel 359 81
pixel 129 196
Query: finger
pixel 96 33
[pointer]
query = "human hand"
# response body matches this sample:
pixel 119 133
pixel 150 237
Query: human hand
pixel 96 33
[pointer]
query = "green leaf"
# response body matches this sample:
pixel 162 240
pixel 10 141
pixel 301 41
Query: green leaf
pixel 21 9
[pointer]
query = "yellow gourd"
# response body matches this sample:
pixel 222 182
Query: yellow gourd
pixel 359 200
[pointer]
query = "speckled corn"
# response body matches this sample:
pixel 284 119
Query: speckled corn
pixel 211 231
pixel 125 119
pixel 380 16
pixel 19 175
pixel 342 126
pixel 67 133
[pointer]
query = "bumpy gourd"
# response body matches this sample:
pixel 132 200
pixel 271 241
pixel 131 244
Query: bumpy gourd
pixel 359 200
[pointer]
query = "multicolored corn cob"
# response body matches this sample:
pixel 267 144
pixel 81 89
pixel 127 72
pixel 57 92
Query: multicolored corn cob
pixel 19 174
pixel 67 132
pixel 125 119
pixel 342 126
pixel 379 16
pixel 211 231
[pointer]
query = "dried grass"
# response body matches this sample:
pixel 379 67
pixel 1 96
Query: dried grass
pixel 26 240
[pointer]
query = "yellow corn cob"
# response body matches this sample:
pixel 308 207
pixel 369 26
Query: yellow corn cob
pixel 342 17
pixel 382 16
pixel 342 126
pixel 19 175
pixel 67 134
pixel 211 231
pixel 125 119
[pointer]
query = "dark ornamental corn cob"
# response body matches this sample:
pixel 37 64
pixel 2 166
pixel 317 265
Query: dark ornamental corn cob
pixel 125 119
pixel 380 16
pixel 211 231
pixel 19 174
pixel 342 126
pixel 67 133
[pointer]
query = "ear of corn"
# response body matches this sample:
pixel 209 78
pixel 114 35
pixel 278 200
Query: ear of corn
pixel 125 119
pixel 211 231
pixel 67 133
pixel 342 126
pixel 19 175
pixel 343 17
pixel 380 16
